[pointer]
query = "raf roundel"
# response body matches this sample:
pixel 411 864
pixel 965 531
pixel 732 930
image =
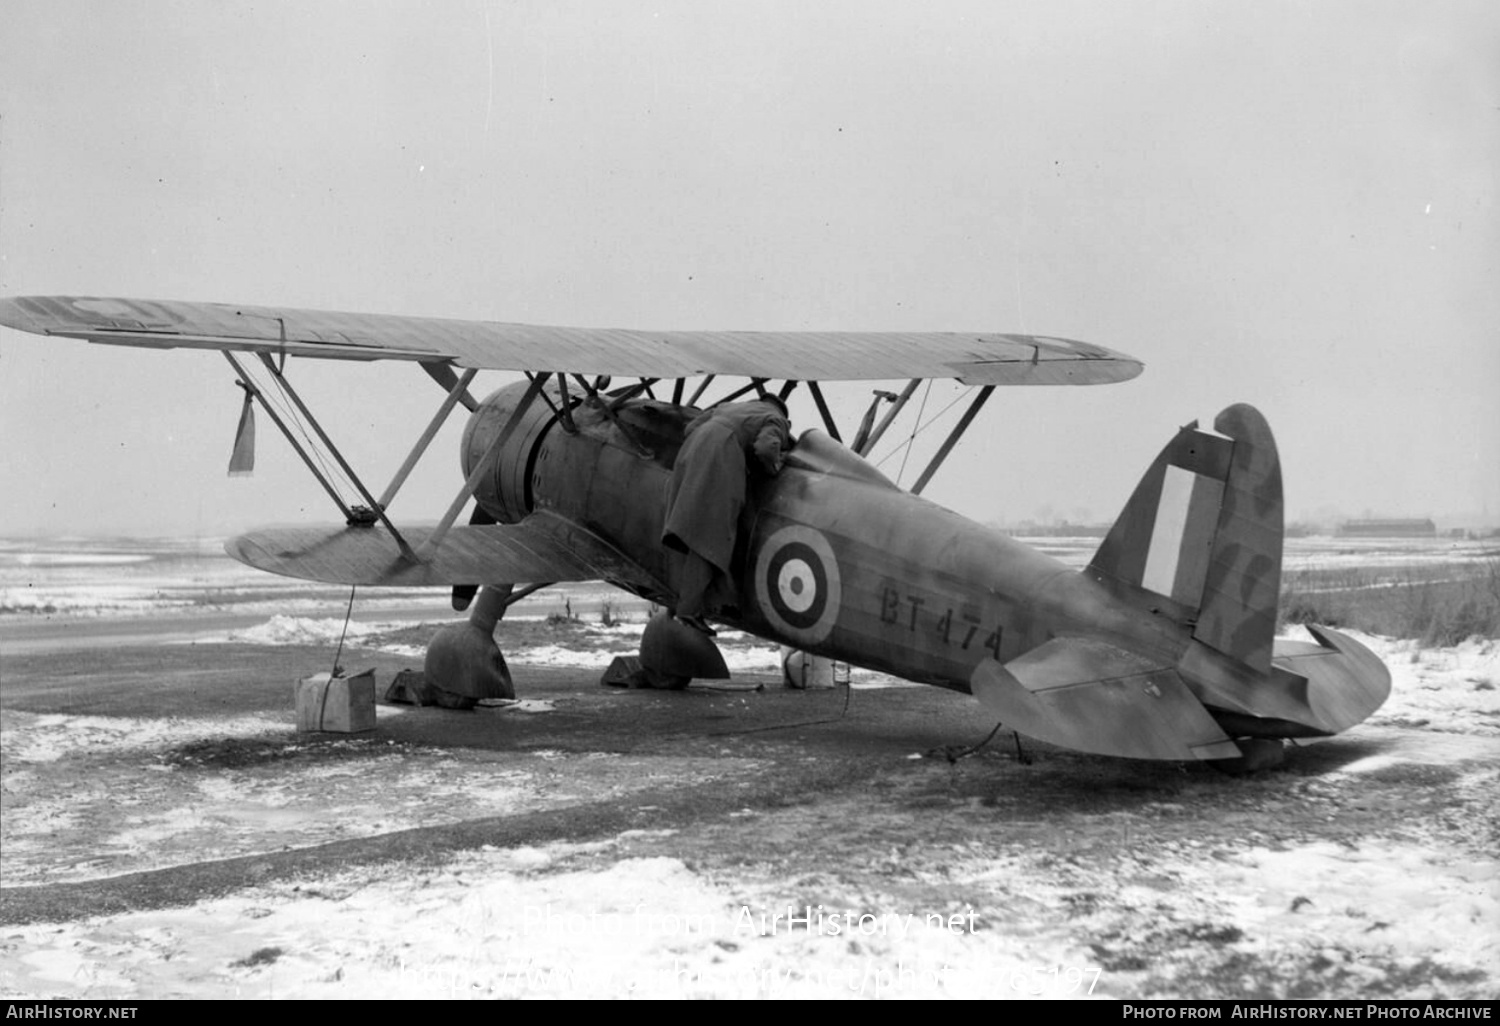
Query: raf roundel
pixel 797 583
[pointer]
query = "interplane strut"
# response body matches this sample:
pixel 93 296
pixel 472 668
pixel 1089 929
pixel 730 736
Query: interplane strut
pixel 457 387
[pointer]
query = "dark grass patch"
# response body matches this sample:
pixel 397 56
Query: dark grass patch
pixel 1437 605
pixel 1302 975
pixel 1123 954
pixel 1216 936
pixel 1408 722
pixel 1082 904
pixel 1415 774
pixel 241 753
pixel 260 956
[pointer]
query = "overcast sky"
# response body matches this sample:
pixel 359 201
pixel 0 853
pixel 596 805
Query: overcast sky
pixel 1287 204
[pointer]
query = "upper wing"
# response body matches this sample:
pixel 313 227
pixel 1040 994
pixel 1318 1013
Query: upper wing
pixel 975 358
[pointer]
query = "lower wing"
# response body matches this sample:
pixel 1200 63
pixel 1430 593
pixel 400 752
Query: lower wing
pixel 540 548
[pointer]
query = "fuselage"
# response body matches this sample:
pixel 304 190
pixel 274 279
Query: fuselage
pixel 833 558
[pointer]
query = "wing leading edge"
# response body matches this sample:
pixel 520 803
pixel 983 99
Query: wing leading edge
pixel 538 549
pixel 977 358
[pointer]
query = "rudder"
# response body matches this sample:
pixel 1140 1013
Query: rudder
pixel 1201 536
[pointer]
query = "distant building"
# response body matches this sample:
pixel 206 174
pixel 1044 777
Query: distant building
pixel 1390 528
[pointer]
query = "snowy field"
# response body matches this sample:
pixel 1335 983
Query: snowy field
pixel 124 577
pixel 1176 899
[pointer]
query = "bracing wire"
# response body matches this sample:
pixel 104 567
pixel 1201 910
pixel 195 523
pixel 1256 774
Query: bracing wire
pixel 293 418
pixel 935 418
pixel 290 408
pixel 906 449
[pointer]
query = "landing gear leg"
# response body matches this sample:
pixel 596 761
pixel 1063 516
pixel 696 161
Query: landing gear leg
pixel 672 654
pixel 464 663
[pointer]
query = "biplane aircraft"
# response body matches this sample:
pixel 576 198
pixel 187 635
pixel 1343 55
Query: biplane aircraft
pixel 1161 648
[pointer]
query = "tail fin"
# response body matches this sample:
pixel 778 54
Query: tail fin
pixel 1200 539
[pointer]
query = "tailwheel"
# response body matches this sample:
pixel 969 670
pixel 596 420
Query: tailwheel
pixel 1259 753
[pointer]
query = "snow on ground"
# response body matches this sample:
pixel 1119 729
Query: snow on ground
pixel 303 630
pixel 1454 690
pixel 1386 553
pixel 184 792
pixel 523 923
pixel 48 737
pixel 499 924
pixel 1361 894
pixel 739 656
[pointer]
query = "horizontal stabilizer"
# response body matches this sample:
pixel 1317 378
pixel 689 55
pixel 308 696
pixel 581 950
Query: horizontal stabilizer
pixel 540 548
pixel 1313 689
pixel 1092 696
pixel 1346 682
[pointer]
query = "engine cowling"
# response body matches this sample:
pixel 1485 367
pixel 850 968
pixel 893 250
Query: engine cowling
pixel 504 490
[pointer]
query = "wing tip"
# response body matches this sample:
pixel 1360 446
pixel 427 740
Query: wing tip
pixel 13 314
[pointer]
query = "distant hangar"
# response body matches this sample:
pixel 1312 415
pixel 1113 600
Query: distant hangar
pixel 1388 528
